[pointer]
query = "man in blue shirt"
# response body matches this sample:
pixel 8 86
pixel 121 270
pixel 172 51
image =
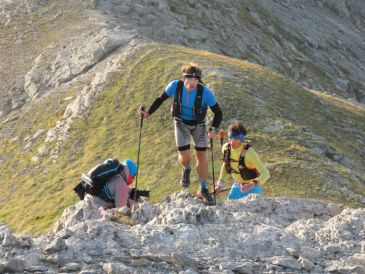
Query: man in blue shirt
pixel 191 101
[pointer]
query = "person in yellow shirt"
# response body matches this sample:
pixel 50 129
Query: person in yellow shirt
pixel 242 164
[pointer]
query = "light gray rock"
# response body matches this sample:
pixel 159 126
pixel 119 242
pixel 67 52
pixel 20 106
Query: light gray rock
pixel 141 262
pixel 57 259
pixel 87 271
pixel 14 265
pixel 116 268
pixel 286 262
pixel 310 253
pixel 244 268
pixel 57 244
pixel 70 267
pixel 253 235
pixel 72 215
pixel 356 259
pixel 23 241
pixel 332 248
pixel 189 271
pixel 64 234
pixel 36 268
pixel 8 240
pixel 74 58
pixel 96 252
pixel 135 253
pixel 358 269
pixel 183 260
pixel 306 264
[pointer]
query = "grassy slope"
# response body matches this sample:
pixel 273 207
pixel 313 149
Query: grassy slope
pixel 36 194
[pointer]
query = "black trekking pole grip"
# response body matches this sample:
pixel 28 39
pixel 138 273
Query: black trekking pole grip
pixel 211 147
pixel 139 150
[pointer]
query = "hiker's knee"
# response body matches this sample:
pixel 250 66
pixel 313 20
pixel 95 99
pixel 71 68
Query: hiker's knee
pixel 184 156
pixel 201 156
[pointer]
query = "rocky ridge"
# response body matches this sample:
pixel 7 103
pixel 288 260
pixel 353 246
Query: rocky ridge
pixel 318 44
pixel 180 235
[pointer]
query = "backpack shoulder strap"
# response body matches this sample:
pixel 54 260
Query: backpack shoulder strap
pixel 243 154
pixel 226 146
pixel 227 158
pixel 199 96
pixel 179 90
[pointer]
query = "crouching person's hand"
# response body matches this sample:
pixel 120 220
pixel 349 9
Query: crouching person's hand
pixel 247 187
pixel 218 190
pixel 219 187
pixel 132 203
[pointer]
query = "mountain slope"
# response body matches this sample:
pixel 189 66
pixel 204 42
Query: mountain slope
pixel 302 136
pixel 319 44
pixel 27 28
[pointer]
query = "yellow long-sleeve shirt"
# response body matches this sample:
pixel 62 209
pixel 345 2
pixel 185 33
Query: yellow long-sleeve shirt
pixel 252 161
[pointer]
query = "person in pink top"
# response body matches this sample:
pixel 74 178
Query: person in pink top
pixel 116 192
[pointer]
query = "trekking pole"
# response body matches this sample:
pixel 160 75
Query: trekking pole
pixel 223 190
pixel 221 137
pixel 139 149
pixel 211 147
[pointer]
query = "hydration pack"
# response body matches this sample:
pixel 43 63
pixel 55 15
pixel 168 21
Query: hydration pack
pixel 199 112
pixel 245 172
pixel 94 181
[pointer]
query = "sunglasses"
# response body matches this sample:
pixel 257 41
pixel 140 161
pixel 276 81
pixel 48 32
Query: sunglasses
pixel 189 76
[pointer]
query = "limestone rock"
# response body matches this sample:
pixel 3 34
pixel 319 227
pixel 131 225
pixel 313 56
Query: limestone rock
pixel 253 235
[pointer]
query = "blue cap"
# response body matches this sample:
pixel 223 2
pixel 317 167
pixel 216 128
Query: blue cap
pixel 132 167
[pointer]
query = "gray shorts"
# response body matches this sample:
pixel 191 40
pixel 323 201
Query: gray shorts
pixel 183 132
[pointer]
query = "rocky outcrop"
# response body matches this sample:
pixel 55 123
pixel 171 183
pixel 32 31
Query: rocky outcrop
pixel 319 44
pixel 180 235
pixel 28 28
pixel 79 106
pixel 52 67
